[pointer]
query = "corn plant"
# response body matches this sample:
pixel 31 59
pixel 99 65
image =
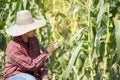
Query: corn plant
pixel 85 29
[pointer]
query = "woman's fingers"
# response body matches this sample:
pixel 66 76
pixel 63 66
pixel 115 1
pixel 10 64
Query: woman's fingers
pixel 56 45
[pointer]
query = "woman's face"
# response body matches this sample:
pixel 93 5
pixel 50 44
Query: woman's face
pixel 30 34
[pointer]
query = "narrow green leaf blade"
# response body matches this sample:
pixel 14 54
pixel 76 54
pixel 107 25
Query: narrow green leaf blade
pixel 117 35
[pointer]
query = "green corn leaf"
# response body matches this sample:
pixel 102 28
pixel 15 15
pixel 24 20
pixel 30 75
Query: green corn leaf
pixel 25 2
pixel 75 37
pixel 18 5
pixel 1 25
pixel 72 60
pixel 76 9
pixel 98 38
pixel 103 9
pixel 117 35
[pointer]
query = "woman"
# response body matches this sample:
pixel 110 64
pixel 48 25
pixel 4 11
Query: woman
pixel 23 58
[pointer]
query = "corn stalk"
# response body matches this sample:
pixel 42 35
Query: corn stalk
pixel 90 38
pixel 106 43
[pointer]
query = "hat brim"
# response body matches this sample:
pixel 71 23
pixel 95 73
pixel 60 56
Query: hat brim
pixel 17 30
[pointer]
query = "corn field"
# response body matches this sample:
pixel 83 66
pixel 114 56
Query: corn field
pixel 87 31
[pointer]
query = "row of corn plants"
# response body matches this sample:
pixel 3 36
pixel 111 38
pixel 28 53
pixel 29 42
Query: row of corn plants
pixel 87 31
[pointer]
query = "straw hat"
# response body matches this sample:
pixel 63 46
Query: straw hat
pixel 24 23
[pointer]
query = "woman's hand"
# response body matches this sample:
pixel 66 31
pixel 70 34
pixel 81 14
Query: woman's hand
pixel 45 77
pixel 52 46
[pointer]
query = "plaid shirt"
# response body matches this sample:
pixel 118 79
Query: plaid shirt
pixel 22 58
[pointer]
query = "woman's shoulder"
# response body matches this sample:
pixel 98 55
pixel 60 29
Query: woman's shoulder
pixel 13 45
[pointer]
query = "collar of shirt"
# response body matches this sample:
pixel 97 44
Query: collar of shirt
pixel 18 39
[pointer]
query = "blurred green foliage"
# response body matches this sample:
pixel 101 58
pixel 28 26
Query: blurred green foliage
pixel 85 29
